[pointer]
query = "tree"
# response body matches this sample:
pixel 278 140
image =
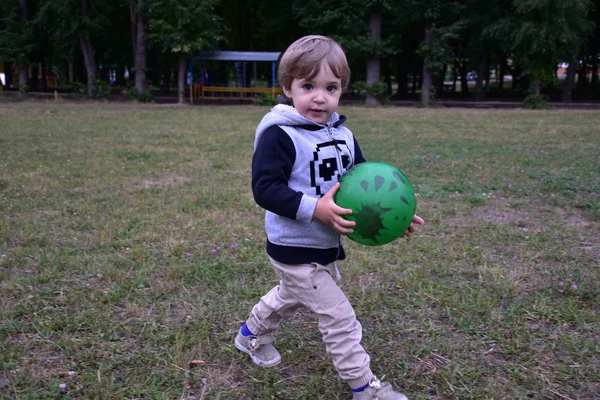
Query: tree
pixel 258 25
pixel 442 25
pixel 541 33
pixel 17 37
pixel 357 25
pixel 76 21
pixel 484 46
pixel 138 40
pixel 181 27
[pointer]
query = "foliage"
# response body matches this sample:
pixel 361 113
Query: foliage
pixel 347 22
pixel 145 97
pixel 80 90
pixel 378 90
pixel 103 89
pixel 17 37
pixel 540 34
pixel 438 53
pixel 265 100
pixel 62 21
pixel 179 26
pixel 535 101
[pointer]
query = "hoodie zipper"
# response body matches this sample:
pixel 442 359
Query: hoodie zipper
pixel 337 149
pixel 340 167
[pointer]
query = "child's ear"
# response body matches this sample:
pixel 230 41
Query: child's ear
pixel 287 92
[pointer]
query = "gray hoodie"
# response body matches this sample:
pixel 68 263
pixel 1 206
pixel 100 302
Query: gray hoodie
pixel 296 161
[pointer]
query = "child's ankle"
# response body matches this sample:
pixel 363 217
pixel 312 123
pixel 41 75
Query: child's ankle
pixel 359 385
pixel 246 331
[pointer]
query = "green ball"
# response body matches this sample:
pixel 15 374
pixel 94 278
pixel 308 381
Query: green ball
pixel 382 201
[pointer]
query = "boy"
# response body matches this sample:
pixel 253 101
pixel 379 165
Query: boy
pixel 300 152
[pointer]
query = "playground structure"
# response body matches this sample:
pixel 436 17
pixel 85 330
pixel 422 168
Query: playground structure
pixel 204 89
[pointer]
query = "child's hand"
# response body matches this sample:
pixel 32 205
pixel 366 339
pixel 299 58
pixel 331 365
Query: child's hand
pixel 411 228
pixel 331 214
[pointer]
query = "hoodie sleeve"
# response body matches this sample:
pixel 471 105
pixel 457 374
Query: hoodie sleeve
pixel 358 155
pixel 272 164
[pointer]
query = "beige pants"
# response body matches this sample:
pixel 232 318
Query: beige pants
pixel 312 286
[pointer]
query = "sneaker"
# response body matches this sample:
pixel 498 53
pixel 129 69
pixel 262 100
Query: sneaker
pixel 378 391
pixel 259 348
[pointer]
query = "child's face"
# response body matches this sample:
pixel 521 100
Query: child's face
pixel 316 98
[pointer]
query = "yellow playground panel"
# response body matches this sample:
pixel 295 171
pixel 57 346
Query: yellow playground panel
pixel 202 90
pixel 231 92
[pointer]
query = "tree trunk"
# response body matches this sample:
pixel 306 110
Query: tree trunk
pixel 373 63
pixel 454 77
pixel 439 80
pixel 88 53
pixel 464 84
pixel 415 79
pixel 386 74
pixel 594 82
pixel 8 78
pixel 23 79
pixel 90 62
pixel 536 87
pixel 23 63
pixel 516 76
pixel 569 82
pixel 484 62
pixel 139 44
pixel 581 75
pixel 501 75
pixel 426 85
pixel 401 75
pixel 181 78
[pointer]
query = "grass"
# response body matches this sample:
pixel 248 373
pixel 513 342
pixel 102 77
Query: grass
pixel 130 246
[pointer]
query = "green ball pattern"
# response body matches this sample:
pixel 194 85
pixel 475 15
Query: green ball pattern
pixel 382 201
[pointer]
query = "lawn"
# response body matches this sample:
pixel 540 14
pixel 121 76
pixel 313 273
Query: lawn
pixel 131 250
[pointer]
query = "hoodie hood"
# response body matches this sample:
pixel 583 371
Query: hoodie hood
pixel 286 115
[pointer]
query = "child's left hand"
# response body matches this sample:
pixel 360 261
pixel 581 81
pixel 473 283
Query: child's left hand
pixel 411 228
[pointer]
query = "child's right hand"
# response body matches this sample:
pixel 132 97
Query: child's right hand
pixel 331 214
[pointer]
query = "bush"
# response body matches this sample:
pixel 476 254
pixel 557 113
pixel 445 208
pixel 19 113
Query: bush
pixel 265 100
pixel 535 102
pixel 79 90
pixel 145 97
pixel 102 90
pixel 379 90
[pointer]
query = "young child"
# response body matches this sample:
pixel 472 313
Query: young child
pixel 300 152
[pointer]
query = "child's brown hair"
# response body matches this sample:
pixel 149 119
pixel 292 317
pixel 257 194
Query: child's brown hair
pixel 303 60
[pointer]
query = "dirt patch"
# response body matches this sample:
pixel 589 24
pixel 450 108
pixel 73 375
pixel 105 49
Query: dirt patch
pixel 165 181
pixel 40 359
pixel 526 219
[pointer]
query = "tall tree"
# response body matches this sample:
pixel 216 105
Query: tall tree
pixel 441 27
pixel 87 49
pixel 138 40
pixel 17 37
pixel 258 25
pixel 182 28
pixel 484 46
pixel 541 33
pixel 72 22
pixel 357 25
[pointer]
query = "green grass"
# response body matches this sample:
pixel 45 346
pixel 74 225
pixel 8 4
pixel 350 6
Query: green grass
pixel 107 282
